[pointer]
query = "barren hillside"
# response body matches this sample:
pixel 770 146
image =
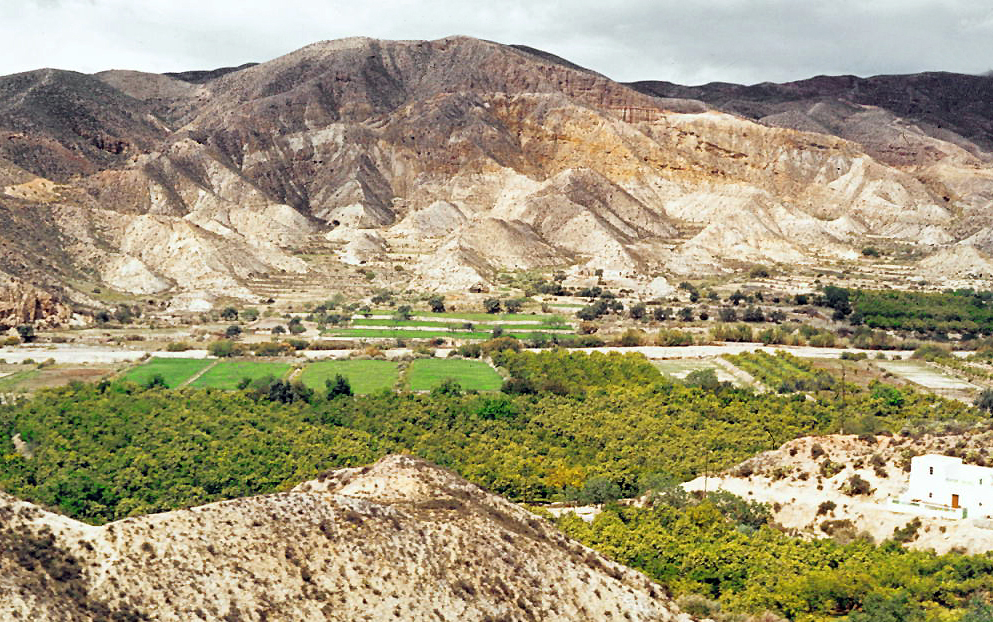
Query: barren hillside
pixel 806 481
pixel 401 539
pixel 441 163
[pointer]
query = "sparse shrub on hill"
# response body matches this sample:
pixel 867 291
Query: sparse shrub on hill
pixel 907 533
pixel 593 311
pixel 513 305
pixel 985 400
pixel 436 303
pixel 856 486
pixel 829 469
pixel 491 305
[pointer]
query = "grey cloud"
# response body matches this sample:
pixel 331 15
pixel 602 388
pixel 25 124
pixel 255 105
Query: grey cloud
pixel 688 42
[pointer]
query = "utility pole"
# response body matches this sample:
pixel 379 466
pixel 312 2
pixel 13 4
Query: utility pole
pixel 706 469
pixel 842 426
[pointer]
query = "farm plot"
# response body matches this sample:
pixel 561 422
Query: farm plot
pixel 363 376
pixel 425 374
pixel 782 372
pixel 680 368
pixel 228 374
pixel 406 333
pixel 414 333
pixel 175 371
pixel 472 317
pixel 555 324
pixel 28 380
pixel 925 375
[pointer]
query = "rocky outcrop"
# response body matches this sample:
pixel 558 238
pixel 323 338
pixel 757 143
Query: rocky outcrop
pixel 401 539
pixel 21 303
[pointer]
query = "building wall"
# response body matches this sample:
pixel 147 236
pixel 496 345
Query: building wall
pixel 935 479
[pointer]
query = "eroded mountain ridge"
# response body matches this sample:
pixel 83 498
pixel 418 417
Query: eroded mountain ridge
pixel 440 163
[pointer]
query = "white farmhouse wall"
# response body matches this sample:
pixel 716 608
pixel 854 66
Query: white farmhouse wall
pixel 945 481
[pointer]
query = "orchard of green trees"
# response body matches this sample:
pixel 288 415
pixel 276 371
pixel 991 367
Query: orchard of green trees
pixel 965 311
pixel 590 427
pixel 103 452
pixel 722 555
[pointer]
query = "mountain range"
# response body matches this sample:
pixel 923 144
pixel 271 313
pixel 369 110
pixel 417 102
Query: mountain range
pixel 438 165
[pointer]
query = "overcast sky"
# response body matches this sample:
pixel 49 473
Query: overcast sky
pixel 684 41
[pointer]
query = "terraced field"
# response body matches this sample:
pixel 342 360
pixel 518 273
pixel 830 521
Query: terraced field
pixel 425 374
pixel 472 317
pixel 447 324
pixel 414 333
pixel 364 376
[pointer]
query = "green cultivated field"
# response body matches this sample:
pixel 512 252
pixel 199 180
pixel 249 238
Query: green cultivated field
pixel 364 376
pixel 390 333
pixel 361 322
pixel 227 374
pixel 174 371
pixel 14 380
pixel 472 317
pixel 425 374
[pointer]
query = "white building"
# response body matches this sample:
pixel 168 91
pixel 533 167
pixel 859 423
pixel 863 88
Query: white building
pixel 943 486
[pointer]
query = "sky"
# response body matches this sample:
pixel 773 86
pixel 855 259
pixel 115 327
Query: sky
pixel 682 41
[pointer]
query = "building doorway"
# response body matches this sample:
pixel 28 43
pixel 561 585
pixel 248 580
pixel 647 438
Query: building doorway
pixel 955 501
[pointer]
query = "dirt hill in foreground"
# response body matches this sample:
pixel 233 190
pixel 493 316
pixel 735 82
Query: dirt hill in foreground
pixel 399 540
